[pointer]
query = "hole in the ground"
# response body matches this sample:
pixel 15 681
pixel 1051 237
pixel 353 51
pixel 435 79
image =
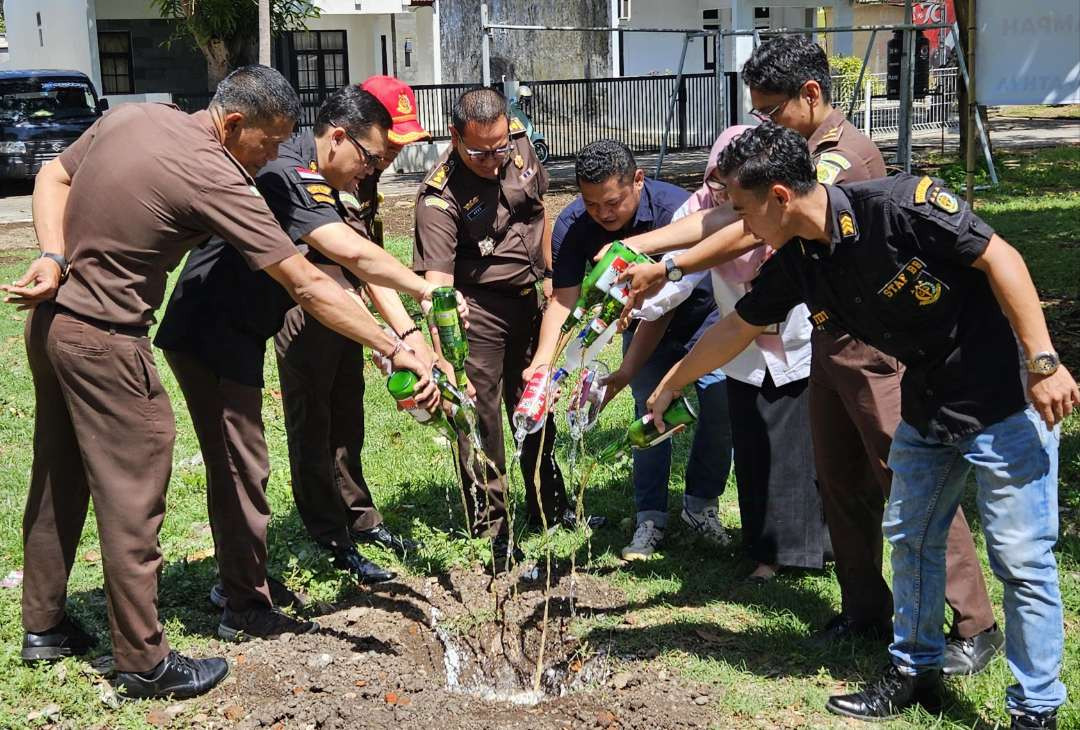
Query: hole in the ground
pixel 497 663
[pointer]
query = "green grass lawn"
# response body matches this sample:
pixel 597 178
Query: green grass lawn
pixel 689 603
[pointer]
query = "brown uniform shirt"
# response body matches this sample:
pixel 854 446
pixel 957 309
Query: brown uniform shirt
pixel 842 153
pixel 483 231
pixel 148 183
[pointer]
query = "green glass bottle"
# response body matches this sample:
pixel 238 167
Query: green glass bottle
pixel 590 295
pixel 455 346
pixel 462 407
pixel 402 387
pixel 643 433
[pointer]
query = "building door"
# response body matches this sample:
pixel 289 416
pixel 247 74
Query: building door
pixel 318 64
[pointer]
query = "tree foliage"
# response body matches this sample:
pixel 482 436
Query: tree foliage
pixel 226 30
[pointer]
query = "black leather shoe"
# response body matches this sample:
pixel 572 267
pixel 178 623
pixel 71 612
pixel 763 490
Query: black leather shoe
pixel 381 535
pixel 67 638
pixel 503 556
pixel 280 594
pixel 362 570
pixel 842 628
pixel 971 655
pixel 177 676
pixel 890 695
pixel 1031 721
pixel 260 623
pixel 568 519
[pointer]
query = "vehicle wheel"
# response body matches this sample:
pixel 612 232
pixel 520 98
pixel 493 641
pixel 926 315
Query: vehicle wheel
pixel 542 150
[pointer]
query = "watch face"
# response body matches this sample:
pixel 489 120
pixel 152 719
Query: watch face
pixel 1044 363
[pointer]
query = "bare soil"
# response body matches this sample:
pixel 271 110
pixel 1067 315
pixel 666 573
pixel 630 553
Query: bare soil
pixel 384 661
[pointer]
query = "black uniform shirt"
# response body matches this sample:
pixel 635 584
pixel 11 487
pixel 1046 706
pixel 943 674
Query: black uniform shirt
pixel 223 312
pixel 898 275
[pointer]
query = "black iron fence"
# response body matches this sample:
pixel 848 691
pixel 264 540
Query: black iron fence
pixel 573 112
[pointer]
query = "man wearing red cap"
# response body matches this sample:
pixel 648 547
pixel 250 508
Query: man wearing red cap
pixel 322 373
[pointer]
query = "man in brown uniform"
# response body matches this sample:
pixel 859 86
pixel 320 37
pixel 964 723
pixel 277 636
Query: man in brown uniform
pixel 124 208
pixel 322 373
pixel 480 226
pixel 854 388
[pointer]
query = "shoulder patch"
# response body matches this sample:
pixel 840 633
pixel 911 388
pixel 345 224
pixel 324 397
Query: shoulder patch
pixel 320 198
pixel 830 165
pixel 255 191
pixel 848 229
pixel 439 176
pixel 921 189
pixel 349 200
pixel 434 201
pixel 941 198
pixel 516 127
pixel 318 188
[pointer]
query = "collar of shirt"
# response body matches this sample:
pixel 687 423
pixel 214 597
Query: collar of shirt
pixel 302 144
pixel 206 121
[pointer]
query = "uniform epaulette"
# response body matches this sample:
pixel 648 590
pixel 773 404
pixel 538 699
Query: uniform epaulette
pixel 440 175
pixel 833 135
pixel 516 127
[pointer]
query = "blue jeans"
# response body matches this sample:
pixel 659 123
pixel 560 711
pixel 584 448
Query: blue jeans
pixel 710 454
pixel 1016 464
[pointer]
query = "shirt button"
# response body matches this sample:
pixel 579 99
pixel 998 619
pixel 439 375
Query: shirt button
pixel 857 300
pixel 886 335
pixel 929 392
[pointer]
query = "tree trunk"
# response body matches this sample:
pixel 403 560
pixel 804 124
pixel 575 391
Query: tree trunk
pixel 264 32
pixel 217 62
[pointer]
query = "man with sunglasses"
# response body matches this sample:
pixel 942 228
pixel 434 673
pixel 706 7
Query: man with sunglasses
pixel 221 316
pixel 480 227
pixel 854 388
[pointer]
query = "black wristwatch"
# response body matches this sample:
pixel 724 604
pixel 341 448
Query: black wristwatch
pixel 59 260
pixel 674 273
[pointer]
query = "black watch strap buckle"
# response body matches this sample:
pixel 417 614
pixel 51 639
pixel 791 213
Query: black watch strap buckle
pixel 59 260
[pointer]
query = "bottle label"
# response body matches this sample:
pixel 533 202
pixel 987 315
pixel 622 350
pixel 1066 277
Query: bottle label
pixel 534 400
pixel 410 405
pixel 618 266
pixel 445 317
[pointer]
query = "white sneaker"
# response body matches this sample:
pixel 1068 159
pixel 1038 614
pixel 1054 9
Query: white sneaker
pixel 707 525
pixel 646 537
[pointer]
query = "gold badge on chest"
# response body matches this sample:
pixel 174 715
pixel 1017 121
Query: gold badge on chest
pixel 519 161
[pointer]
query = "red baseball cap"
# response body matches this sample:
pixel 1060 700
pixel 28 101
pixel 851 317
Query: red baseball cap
pixel 399 100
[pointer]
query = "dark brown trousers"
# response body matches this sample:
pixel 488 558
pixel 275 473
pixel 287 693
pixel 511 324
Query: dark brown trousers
pixel 854 411
pixel 227 417
pixel 503 332
pixel 103 430
pixel 322 390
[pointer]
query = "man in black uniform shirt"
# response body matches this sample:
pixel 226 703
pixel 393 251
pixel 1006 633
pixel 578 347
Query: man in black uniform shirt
pixel 322 373
pixel 905 266
pixel 219 319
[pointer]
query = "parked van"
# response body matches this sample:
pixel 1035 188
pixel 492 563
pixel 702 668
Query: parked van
pixel 42 111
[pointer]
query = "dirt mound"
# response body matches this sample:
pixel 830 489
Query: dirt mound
pixel 454 651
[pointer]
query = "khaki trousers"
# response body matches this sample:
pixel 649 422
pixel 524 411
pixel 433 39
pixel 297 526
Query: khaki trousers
pixel 227 417
pixel 103 430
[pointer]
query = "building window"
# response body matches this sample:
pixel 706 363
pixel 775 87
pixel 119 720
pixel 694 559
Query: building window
pixel 319 65
pixel 408 52
pixel 115 51
pixel 624 9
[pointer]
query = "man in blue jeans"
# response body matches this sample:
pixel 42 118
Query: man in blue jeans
pixel 905 266
pixel 618 201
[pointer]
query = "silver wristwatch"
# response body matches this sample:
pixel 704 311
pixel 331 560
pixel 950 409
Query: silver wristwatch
pixel 673 272
pixel 1043 363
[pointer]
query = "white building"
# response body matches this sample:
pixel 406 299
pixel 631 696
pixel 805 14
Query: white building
pixel 121 45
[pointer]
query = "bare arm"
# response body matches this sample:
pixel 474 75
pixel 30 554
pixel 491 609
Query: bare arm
pixel 646 338
pixel 682 233
pixel 558 309
pixel 387 302
pixel 716 347
pixel 42 278
pixel 320 296
pixel 1053 396
pixel 368 261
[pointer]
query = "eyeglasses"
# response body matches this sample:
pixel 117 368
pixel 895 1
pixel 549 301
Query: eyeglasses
pixel 768 116
pixel 499 153
pixel 370 160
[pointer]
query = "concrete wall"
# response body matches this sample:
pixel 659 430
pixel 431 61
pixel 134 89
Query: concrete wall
pixel 526 55
pixel 68 38
pixel 157 68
